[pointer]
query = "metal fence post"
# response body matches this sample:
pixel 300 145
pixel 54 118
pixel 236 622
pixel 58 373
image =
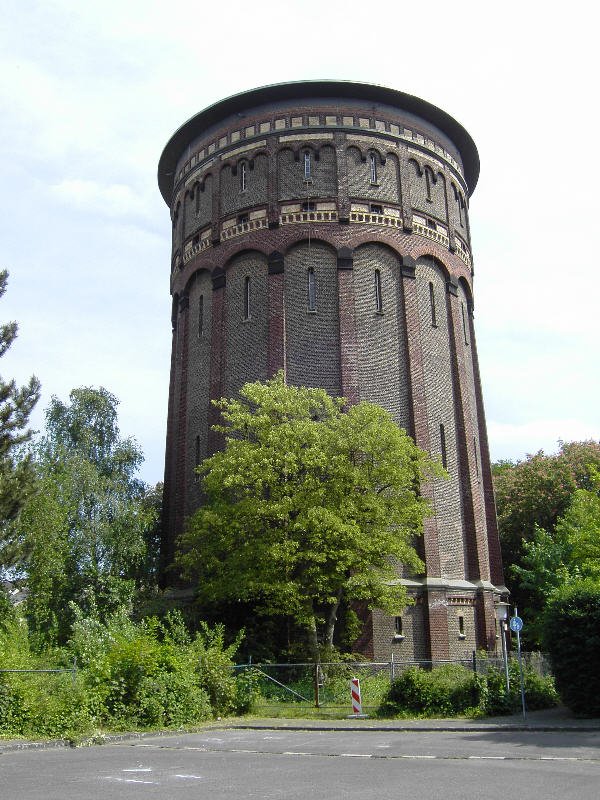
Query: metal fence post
pixel 475 661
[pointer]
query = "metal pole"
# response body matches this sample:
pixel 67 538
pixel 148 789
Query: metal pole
pixel 316 681
pixel 520 669
pixel 475 662
pixel 392 669
pixel 504 653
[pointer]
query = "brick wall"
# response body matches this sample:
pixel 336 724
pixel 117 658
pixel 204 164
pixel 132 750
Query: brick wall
pixel 312 338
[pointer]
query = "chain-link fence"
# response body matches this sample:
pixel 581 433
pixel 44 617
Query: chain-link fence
pixel 327 685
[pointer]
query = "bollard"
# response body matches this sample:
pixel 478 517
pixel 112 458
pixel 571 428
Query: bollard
pixel 356 700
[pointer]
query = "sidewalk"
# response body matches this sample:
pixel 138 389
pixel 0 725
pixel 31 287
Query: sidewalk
pixel 552 719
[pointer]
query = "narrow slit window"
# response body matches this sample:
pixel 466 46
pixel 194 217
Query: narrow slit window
pixel 200 315
pixel 246 298
pixel 443 450
pixel 311 290
pixel 398 630
pixel 373 167
pixel 378 297
pixel 243 177
pixel 428 183
pixel 307 166
pixel 464 322
pixel 432 305
pixel 461 626
pixel 197 459
pixel 476 457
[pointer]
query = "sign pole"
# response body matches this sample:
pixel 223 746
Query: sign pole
pixel 516 624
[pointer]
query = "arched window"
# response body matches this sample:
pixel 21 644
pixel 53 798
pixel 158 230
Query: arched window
pixel 311 286
pixel 243 176
pixel 378 297
pixel 200 315
pixel 464 322
pixel 432 305
pixel 373 167
pixel 307 166
pixel 246 297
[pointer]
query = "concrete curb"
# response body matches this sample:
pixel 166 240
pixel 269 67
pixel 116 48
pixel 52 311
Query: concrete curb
pixel 417 726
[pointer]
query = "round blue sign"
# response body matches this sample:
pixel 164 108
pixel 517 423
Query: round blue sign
pixel 516 624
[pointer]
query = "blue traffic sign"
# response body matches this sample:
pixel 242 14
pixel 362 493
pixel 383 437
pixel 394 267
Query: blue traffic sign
pixel 516 624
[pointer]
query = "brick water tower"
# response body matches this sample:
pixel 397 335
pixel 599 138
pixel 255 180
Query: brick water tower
pixel 322 228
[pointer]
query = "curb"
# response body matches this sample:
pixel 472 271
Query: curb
pixel 116 738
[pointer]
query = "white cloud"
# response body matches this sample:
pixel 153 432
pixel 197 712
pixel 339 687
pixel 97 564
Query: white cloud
pixel 515 441
pixel 113 200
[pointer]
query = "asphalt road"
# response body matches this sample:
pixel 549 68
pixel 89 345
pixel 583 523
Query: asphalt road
pixel 288 765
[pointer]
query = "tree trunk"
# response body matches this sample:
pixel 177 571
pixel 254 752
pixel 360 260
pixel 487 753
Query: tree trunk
pixel 330 621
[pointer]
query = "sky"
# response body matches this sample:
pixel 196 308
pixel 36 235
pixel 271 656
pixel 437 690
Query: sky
pixel 91 92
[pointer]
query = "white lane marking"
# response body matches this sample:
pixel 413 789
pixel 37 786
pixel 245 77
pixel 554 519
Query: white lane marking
pixel 296 753
pixel 138 769
pixel 356 755
pixel 487 758
pixel 129 780
pixel 190 777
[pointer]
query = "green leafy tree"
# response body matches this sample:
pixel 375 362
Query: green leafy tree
pixel 561 557
pixel 309 505
pixel 83 532
pixel 572 639
pixel 531 497
pixel 16 404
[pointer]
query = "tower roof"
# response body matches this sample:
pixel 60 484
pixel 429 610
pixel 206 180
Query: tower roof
pixel 302 90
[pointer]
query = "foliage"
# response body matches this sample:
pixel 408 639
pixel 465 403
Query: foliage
pixel 540 691
pixel 444 692
pixel 82 533
pixel 549 524
pixel 16 405
pixel 572 639
pixel 451 690
pixel 308 505
pixel 129 675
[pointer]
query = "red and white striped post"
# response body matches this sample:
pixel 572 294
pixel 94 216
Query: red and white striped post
pixel 356 699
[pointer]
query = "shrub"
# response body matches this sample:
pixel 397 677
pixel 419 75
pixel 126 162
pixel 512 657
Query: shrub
pixel 445 691
pixel 452 689
pixel 572 640
pixel 540 692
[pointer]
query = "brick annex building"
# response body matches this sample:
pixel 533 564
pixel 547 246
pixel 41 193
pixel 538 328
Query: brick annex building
pixel 322 228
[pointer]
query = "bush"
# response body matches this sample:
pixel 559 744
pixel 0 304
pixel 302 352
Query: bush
pixel 130 675
pixel 445 691
pixel 540 692
pixel 572 640
pixel 452 689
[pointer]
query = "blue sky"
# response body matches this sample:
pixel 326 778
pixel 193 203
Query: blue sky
pixel 92 91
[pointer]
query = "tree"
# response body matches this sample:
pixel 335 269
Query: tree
pixel 309 505
pixel 531 497
pixel 565 555
pixel 572 639
pixel 16 405
pixel 82 533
